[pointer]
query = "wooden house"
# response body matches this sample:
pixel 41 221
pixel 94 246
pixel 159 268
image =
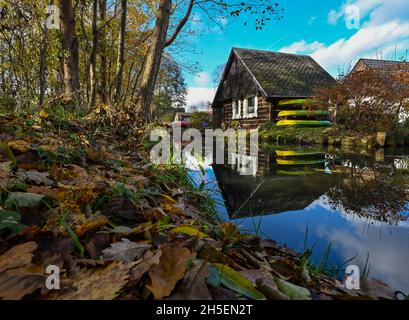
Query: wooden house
pixel 381 66
pixel 254 81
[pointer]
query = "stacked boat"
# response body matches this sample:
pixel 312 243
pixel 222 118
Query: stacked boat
pixel 294 114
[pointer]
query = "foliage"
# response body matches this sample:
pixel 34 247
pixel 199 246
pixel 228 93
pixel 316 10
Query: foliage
pixel 367 101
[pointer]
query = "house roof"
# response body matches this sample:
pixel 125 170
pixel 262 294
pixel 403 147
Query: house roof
pixel 377 64
pixel 282 74
pixel 383 65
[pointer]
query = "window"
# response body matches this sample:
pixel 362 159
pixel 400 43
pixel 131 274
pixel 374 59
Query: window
pixel 251 107
pixel 237 106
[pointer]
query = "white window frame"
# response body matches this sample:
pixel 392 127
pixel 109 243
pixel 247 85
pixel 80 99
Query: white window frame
pixel 236 109
pixel 254 114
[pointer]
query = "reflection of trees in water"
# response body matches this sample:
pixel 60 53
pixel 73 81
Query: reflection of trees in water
pixel 369 189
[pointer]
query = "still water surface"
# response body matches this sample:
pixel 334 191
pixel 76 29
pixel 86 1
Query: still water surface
pixel 356 203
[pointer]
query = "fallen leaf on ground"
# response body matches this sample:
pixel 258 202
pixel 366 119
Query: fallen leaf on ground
pixel 19 145
pixel 17 276
pixel 46 191
pixel 193 286
pixel 190 231
pixel 17 283
pixel 11 220
pixel 24 200
pixel 223 274
pixel 143 266
pixel 18 256
pixel 126 250
pixel 98 284
pixel 293 291
pixel 35 176
pixel 169 271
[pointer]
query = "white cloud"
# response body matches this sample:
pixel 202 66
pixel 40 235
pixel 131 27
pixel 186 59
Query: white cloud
pixel 384 25
pixel 303 47
pixel 312 20
pixel 333 17
pixel 196 95
pixel 363 43
pixel 203 79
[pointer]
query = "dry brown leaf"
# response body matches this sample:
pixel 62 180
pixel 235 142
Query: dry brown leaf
pixel 193 286
pixel 169 271
pixel 143 266
pixel 16 283
pixel 99 284
pixel 126 250
pixel 18 256
pixel 46 191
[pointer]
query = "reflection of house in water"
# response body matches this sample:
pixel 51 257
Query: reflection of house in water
pixel 377 191
pixel 254 196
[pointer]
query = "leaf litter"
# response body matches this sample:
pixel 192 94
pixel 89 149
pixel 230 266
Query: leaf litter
pixel 120 228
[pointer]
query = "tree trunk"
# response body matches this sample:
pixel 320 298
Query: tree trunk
pixel 102 45
pixel 93 59
pixel 153 60
pixel 43 66
pixel 121 53
pixel 70 51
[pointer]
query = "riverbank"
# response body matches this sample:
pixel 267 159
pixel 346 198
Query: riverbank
pixel 76 196
pixel 334 136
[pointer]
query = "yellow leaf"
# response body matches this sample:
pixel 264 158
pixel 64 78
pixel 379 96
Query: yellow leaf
pixel 168 198
pixel 190 232
pixel 43 114
pixel 20 146
pixel 235 281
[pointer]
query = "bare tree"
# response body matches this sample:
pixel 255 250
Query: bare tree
pixel 262 8
pixel 70 51
pixel 93 59
pixel 121 53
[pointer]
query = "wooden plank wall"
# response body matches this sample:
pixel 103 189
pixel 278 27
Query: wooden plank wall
pixel 264 114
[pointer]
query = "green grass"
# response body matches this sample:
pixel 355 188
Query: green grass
pixel 291 135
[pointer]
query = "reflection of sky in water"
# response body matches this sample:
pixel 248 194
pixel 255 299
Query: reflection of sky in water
pixel 349 234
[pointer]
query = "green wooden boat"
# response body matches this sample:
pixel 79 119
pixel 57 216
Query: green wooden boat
pixel 291 101
pixel 303 113
pixel 298 162
pixel 303 123
pixel 295 153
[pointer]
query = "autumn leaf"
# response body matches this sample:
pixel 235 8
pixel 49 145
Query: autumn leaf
pixel 18 256
pixel 35 176
pixel 193 286
pixel 46 191
pixel 90 225
pixel 11 220
pixel 98 284
pixel 17 275
pixel 24 200
pixel 233 280
pixel 20 146
pixel 126 250
pixel 190 231
pixel 293 291
pixel 169 271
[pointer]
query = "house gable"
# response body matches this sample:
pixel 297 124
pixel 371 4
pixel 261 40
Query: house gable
pixel 237 82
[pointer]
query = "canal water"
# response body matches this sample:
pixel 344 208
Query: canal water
pixel 347 208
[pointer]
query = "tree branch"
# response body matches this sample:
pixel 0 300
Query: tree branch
pixel 181 24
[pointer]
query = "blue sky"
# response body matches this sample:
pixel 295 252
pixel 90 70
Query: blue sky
pixel 325 29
